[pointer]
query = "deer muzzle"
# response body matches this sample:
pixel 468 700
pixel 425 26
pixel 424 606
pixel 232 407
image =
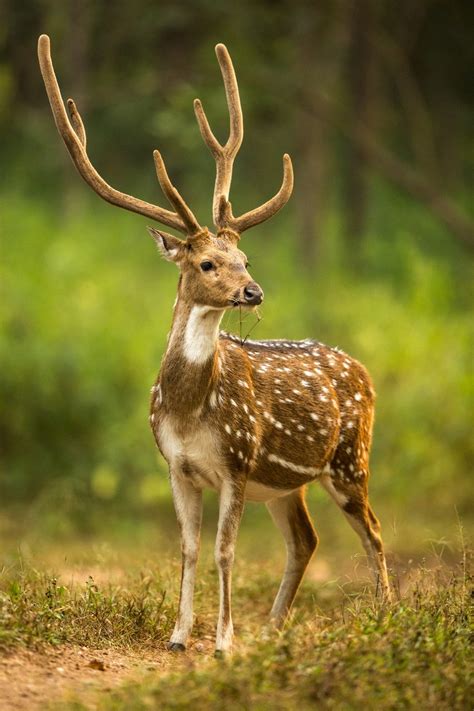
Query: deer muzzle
pixel 253 294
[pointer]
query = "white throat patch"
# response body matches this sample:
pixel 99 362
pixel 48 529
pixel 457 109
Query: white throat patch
pixel 201 333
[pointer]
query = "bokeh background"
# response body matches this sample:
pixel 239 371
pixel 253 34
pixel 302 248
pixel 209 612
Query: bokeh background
pixel 373 254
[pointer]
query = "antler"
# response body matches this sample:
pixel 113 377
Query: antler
pixel 225 156
pixel 73 134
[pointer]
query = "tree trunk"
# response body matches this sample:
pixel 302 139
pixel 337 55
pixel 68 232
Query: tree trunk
pixel 316 66
pixel 359 82
pixel 311 192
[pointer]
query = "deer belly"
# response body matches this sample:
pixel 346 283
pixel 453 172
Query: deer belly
pixel 254 491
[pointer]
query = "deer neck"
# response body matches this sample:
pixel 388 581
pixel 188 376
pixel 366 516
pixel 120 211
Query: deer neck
pixel 190 366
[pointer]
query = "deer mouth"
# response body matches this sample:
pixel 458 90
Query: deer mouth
pixel 234 303
pixel 248 297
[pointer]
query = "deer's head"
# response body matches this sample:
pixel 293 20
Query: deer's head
pixel 213 268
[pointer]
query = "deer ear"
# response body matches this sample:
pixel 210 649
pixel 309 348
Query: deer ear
pixel 171 248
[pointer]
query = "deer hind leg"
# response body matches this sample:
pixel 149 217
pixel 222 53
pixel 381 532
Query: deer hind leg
pixel 291 517
pixel 231 506
pixel 188 505
pixel 352 498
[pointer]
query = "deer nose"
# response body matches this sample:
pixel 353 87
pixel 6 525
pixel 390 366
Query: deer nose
pixel 253 294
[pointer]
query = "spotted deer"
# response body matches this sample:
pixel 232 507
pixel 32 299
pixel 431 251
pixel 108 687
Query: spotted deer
pixel 253 420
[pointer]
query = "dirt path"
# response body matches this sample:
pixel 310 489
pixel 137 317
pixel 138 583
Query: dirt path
pixel 29 680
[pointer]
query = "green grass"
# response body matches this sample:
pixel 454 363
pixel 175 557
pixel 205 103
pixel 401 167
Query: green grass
pixel 413 654
pixel 342 649
pixel 36 609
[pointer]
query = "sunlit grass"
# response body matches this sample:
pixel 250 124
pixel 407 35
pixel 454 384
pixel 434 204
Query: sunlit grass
pixel 342 648
pixel 414 653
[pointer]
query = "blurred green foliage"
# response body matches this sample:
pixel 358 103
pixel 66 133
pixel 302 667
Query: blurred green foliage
pixel 85 308
pixel 356 260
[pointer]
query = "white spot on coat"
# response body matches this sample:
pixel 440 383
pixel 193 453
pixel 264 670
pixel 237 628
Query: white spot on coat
pixel 298 468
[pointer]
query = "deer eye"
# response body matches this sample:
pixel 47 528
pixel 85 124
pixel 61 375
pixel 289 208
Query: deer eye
pixel 206 266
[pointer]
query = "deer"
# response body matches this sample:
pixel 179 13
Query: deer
pixel 253 420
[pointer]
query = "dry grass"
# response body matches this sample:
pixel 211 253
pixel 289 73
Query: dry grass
pixel 342 648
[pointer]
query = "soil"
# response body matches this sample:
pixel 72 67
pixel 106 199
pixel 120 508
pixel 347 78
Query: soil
pixel 32 680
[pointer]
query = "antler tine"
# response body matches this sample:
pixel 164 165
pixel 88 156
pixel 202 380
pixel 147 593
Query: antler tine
pixel 269 208
pixel 173 195
pixel 73 134
pixel 224 155
pixel 231 87
pixel 77 122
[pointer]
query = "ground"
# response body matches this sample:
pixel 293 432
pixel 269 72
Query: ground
pixel 30 678
pixel 88 630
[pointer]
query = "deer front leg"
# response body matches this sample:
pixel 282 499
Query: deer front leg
pixel 231 505
pixel 188 506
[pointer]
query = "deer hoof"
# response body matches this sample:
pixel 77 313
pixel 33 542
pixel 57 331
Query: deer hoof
pixel 176 647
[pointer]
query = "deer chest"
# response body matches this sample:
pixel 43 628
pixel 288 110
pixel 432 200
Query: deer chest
pixel 194 453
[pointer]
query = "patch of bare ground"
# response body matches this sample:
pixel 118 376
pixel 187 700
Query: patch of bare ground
pixel 37 679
